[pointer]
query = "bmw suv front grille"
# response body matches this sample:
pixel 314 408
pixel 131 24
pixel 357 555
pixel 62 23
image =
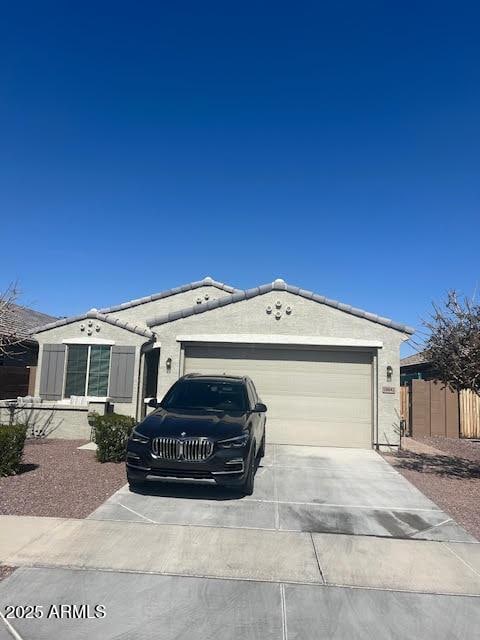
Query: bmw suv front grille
pixel 190 449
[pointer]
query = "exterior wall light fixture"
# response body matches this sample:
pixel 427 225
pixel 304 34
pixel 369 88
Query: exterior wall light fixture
pixel 168 364
pixel 389 372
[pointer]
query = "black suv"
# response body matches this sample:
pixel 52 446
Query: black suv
pixel 206 427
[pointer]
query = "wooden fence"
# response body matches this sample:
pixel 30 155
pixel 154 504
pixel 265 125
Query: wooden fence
pixel 430 409
pixel 469 414
pixel 13 382
pixel 405 407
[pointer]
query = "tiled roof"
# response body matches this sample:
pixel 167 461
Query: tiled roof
pixel 18 320
pixel 416 358
pixel 96 315
pixel 207 281
pixel 277 285
pixel 236 296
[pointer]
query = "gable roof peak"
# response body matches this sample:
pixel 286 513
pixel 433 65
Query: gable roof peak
pixel 208 280
pixel 96 315
pixel 277 285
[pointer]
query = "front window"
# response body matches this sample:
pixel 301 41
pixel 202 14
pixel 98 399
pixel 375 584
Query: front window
pixel 206 395
pixel 88 367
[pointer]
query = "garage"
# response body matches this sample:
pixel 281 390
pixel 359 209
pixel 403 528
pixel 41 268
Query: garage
pixel 315 396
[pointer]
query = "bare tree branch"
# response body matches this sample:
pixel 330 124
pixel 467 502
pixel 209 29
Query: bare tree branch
pixel 12 329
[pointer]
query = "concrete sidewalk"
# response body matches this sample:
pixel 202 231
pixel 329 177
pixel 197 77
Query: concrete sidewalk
pixel 258 555
pixel 156 607
pixel 17 532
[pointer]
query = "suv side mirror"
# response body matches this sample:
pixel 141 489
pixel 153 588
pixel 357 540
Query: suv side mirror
pixel 153 403
pixel 260 408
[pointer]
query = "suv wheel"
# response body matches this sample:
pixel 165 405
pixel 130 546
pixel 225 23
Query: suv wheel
pixel 261 451
pixel 249 481
pixel 135 484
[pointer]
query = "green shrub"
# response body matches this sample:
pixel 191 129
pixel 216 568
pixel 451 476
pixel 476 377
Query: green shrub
pixel 12 440
pixel 110 433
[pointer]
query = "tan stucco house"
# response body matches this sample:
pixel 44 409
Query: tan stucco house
pixel 328 372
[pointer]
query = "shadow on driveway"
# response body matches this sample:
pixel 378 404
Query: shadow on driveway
pixel 442 465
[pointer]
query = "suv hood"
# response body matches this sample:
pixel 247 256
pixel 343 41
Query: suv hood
pixel 212 425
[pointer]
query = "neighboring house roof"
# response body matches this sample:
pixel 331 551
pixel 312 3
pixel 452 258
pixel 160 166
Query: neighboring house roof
pixel 416 358
pixel 96 315
pixel 19 320
pixel 207 281
pixel 277 285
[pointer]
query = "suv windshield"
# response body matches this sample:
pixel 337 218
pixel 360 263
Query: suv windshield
pixel 206 395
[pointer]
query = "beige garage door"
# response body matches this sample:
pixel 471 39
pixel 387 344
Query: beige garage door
pixel 314 397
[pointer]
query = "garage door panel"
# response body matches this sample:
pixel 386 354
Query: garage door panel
pixel 259 354
pixel 335 386
pixel 310 408
pixel 308 380
pixel 314 397
pixel 307 432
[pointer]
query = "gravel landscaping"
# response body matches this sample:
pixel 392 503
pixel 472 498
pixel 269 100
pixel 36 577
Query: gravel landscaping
pixel 449 474
pixel 5 571
pixel 466 449
pixel 58 480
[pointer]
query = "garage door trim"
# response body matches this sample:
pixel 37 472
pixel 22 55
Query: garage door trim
pixel 280 340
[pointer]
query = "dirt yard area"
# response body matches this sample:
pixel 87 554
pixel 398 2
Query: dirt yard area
pixel 58 479
pixel 447 471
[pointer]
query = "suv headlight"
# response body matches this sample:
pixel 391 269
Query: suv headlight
pixel 239 441
pixel 138 437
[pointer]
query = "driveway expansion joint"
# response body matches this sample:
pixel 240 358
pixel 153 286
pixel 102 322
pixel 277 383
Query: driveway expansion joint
pixel 11 630
pixel 318 559
pixel 319 585
pixel 467 564
pixel 284 612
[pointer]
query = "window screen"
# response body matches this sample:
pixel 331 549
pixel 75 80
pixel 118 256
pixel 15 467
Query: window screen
pixel 99 368
pixel 87 360
pixel 76 370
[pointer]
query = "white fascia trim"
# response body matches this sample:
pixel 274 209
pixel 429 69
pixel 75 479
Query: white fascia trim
pixel 252 338
pixel 88 341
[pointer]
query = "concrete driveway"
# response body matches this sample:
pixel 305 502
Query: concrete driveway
pixel 313 489
pixel 334 543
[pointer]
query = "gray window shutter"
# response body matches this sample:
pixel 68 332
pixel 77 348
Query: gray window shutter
pixel 121 374
pixel 51 375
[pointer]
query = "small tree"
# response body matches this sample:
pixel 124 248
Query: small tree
pixel 12 331
pixel 453 342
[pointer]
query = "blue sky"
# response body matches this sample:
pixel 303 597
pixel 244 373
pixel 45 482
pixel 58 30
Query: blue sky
pixel 145 145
